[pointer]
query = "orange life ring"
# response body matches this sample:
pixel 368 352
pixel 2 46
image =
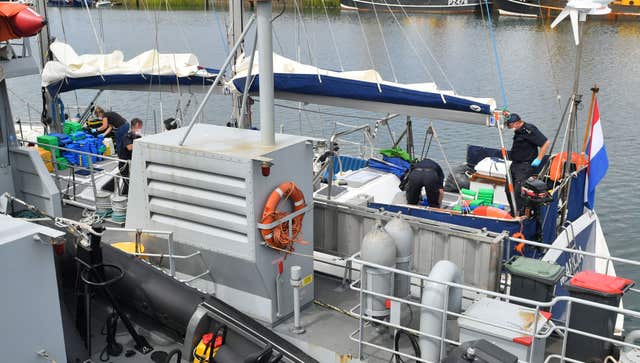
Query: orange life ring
pixel 278 236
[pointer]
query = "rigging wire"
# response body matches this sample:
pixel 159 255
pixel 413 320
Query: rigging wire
pixel 548 49
pixel 333 37
pixel 218 26
pixel 384 43
pixel 444 155
pixel 366 43
pixel 324 112
pixel 411 45
pixel 495 55
pixel 64 36
pixel 426 45
pixel 93 27
pixel 306 34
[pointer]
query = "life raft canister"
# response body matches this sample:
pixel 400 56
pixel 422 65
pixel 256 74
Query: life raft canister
pixel 558 164
pixel 19 21
pixel 279 236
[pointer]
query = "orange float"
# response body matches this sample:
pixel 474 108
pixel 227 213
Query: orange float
pixel 279 236
pixel 489 211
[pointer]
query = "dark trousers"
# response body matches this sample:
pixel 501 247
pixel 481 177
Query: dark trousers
pixel 520 172
pixel 427 179
pixel 124 172
pixel 120 134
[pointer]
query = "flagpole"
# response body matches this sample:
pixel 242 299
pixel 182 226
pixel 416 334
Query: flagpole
pixel 594 91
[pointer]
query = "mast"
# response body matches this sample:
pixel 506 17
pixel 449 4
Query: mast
pixel 236 16
pixel 575 100
pixel 50 113
pixel 265 68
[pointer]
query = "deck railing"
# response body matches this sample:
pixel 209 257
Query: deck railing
pixel 359 335
pixel 90 167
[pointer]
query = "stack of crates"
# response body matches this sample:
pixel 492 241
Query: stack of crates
pixel 485 195
pixel 46 158
pixel 44 140
pixel 70 127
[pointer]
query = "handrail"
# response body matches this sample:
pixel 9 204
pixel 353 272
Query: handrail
pixel 537 306
pixel 75 151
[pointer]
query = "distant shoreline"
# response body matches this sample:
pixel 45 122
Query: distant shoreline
pixel 220 4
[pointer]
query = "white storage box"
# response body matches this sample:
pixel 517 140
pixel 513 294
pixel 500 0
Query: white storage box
pixel 492 167
pixel 506 316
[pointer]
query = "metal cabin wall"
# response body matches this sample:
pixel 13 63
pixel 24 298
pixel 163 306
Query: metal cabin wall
pixel 213 202
pixel 339 229
pixel 32 181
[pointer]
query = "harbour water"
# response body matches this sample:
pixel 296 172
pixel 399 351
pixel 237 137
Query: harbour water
pixel 537 67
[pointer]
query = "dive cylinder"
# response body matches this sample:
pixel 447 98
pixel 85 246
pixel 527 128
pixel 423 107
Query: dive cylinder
pixel 402 235
pixel 377 247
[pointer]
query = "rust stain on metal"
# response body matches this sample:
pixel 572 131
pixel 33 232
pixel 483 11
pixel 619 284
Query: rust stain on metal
pixel 345 358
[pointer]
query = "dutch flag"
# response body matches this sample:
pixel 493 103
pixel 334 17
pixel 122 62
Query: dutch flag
pixel 598 161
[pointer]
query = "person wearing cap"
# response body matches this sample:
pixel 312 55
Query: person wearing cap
pixel 426 174
pixel 528 148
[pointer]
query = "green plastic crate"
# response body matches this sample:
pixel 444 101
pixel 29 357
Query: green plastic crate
pixel 69 127
pixel 62 163
pixel 44 140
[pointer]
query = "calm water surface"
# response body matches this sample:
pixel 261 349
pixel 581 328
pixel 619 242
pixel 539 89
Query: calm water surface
pixel 537 66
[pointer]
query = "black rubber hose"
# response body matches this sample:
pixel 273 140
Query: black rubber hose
pixel 176 352
pixel 414 343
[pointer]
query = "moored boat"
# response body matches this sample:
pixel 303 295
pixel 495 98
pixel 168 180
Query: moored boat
pixel 550 8
pixel 423 6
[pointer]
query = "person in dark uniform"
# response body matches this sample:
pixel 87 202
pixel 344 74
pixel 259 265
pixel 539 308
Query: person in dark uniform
pixel 127 150
pixel 528 149
pixel 111 122
pixel 426 174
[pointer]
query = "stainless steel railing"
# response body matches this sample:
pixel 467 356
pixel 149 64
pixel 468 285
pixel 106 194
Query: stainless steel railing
pixel 358 312
pixel 90 168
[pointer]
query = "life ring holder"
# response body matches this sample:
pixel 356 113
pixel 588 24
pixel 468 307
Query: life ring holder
pixel 280 230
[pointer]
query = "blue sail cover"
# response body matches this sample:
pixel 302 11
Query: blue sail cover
pixel 133 82
pixel 365 90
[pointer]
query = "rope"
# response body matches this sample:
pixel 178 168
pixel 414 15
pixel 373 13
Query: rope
pixel 495 54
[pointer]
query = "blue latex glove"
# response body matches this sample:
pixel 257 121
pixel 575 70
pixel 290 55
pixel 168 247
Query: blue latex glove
pixel 535 163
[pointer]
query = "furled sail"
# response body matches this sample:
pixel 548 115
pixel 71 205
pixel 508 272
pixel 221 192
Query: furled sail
pixel 364 90
pixel 148 71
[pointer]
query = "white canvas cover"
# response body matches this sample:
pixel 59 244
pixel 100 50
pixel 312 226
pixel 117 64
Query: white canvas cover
pixel 68 64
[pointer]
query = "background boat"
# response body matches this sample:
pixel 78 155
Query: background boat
pixel 425 6
pixel 551 8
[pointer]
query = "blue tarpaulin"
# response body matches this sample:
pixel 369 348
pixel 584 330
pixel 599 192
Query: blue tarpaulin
pixel 388 166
